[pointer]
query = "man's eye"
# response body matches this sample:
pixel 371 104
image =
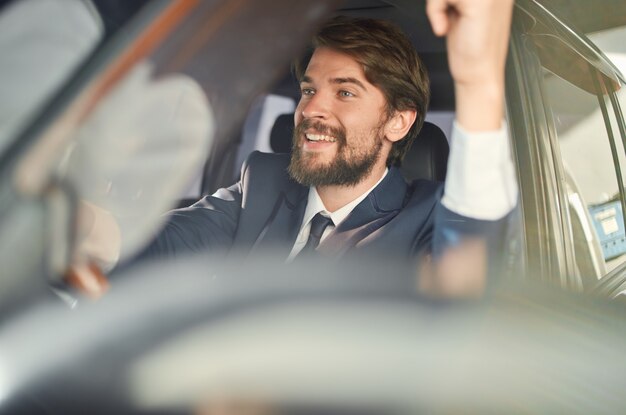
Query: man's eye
pixel 307 91
pixel 345 94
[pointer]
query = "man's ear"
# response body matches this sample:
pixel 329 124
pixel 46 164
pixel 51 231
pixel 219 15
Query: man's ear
pixel 399 124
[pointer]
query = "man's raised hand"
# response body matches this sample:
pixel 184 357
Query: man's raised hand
pixel 477 34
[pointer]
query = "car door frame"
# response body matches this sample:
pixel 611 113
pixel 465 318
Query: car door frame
pixel 547 226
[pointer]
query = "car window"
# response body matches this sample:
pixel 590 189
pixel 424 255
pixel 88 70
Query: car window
pixel 592 156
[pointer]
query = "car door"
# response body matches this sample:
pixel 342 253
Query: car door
pixel 567 127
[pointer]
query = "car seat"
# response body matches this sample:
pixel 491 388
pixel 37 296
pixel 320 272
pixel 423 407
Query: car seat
pixel 426 159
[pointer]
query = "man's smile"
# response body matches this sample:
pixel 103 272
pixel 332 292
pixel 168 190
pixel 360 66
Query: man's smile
pixel 320 137
pixel 318 142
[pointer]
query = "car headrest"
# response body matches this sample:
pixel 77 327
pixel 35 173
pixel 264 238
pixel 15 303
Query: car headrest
pixel 426 159
pixel 281 134
pixel 428 156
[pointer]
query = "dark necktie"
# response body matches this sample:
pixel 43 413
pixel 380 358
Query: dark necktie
pixel 318 225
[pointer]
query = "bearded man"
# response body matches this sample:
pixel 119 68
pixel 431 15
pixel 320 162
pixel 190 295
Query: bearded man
pixel 364 96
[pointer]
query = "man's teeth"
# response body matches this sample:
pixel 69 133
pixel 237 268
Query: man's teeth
pixel 320 137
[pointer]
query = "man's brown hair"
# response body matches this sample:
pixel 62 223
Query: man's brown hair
pixel 389 61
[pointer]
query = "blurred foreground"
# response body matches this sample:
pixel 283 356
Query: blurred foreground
pixel 254 336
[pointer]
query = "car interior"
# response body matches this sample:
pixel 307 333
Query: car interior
pixel 258 115
pixel 77 356
pixel 255 116
pixel 268 122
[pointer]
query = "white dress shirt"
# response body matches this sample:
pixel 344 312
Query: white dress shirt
pixel 480 183
pixel 314 206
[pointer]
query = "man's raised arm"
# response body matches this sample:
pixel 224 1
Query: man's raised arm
pixel 481 182
pixel 477 34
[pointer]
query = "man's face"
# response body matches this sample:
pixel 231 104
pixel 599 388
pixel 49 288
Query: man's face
pixel 340 119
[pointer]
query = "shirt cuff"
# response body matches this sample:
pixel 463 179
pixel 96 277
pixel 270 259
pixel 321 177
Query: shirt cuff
pixel 481 182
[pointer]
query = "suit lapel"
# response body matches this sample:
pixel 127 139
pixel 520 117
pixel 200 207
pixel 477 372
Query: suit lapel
pixel 283 224
pixel 377 209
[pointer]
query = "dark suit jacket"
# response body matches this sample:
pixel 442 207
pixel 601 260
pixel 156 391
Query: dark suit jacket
pixel 264 210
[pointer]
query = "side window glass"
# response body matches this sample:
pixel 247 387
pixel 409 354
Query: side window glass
pixel 591 182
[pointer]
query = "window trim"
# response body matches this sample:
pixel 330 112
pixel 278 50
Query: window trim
pixel 601 87
pixel 543 255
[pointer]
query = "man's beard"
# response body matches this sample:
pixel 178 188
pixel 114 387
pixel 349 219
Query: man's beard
pixel 349 166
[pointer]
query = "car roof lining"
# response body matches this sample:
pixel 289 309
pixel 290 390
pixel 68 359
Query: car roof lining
pixel 564 52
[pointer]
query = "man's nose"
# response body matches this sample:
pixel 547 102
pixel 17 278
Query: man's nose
pixel 315 106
